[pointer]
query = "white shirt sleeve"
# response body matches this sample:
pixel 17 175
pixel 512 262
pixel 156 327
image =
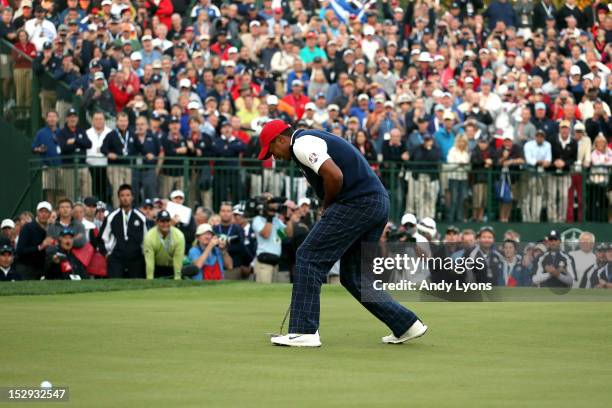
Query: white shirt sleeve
pixel 311 151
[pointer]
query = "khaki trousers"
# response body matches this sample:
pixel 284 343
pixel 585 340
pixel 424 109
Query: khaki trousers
pixel 265 273
pixel 118 175
pixel 23 86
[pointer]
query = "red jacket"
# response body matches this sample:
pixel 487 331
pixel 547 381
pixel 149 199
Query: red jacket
pixel 21 53
pixel 120 95
pixel 163 10
pixel 297 103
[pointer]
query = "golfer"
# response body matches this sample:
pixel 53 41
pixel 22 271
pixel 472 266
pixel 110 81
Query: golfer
pixel 356 208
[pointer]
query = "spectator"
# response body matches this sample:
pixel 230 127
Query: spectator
pixel 65 75
pixel 583 161
pixel 39 28
pixel 23 54
pixel 46 146
pixel 98 96
pixel 60 260
pixel 96 160
pixel 564 153
pixel 8 272
pixel 116 148
pixel 188 229
pixel 227 185
pixel 44 64
pixel 601 161
pixel 175 148
pixel 482 163
pixel 33 241
pixel 590 278
pixel 296 99
pixel 164 249
pixel 64 221
pixel 7 233
pixel 510 159
pixel 146 149
pixel 209 254
pixel 487 260
pixel 268 229
pixel 425 176
pixel 556 268
pixel 122 235
pixel 538 157
pixel 459 157
pixel 73 143
pixel 445 136
pixel 513 272
pixel 583 257
pixel 228 231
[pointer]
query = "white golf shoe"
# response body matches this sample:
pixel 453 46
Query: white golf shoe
pixel 297 340
pixel 416 330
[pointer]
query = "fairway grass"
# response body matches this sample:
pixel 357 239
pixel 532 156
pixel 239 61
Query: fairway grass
pixel 206 346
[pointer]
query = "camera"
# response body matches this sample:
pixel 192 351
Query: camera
pixel 261 205
pixel 394 234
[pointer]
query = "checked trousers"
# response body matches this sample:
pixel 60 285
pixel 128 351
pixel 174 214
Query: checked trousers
pixel 338 235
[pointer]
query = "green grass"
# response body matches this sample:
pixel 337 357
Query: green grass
pixel 206 346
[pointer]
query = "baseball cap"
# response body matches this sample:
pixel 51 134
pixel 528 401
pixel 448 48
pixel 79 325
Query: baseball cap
pixel 90 201
pixel 6 249
pixel 486 228
pixel 185 83
pixel 147 202
pixel 269 132
pixel 575 70
pixel 44 205
pixel 553 235
pixel 72 112
pixel 99 75
pixel 579 127
pixel 174 119
pixel 363 97
pixel 310 106
pixel 272 100
pixel 7 223
pixel 66 231
pixel 47 45
pixel 451 229
pixel 156 78
pixel 163 216
pixel 297 82
pixel 157 64
pixel 540 105
pixel 136 56
pixel 232 50
pixel 333 107
pixel 203 229
pixel 427 225
pixel 408 218
pixel 177 193
pixel 238 209
pixel 193 105
pixel 448 114
pixel 147 38
pixel 564 123
pixel 469 80
pixel 303 201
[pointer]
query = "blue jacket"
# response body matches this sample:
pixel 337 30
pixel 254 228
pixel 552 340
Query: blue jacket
pixel 48 138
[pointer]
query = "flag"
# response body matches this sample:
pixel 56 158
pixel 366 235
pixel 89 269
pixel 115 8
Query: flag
pixel 345 8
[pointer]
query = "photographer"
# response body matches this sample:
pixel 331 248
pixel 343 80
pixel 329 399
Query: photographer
pixel 233 235
pixel 60 262
pixel 209 255
pixel 270 231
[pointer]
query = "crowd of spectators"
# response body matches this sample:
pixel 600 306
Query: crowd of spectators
pixel 87 240
pixel 437 97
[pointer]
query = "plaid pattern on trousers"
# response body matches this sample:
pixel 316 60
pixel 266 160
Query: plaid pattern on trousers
pixel 339 235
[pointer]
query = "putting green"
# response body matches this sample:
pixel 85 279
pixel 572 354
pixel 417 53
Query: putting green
pixel 205 346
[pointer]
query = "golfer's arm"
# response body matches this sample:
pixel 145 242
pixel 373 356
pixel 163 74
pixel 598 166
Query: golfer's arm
pixel 332 181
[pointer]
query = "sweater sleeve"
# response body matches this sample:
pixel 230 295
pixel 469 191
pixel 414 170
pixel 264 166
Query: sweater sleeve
pixel 149 254
pixel 177 258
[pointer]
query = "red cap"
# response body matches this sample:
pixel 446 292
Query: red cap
pixel 311 34
pixel 269 132
pixel 278 10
